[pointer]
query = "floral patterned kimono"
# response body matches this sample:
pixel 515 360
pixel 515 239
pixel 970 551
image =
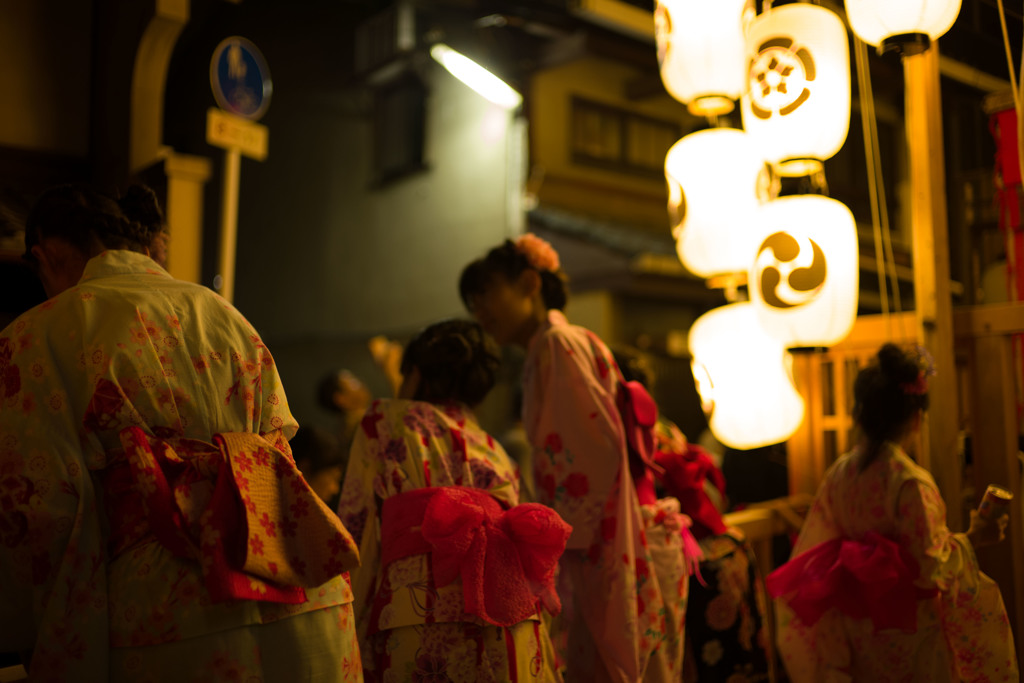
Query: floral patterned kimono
pixel 727 628
pixel 624 579
pixel 948 623
pixel 122 401
pixel 413 627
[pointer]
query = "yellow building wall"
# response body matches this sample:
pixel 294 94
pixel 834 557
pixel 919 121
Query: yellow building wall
pixel 557 181
pixel 595 310
pixel 44 104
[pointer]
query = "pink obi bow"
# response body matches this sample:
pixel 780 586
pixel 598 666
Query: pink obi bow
pixel 505 558
pixel 242 510
pixel 665 512
pixel 869 579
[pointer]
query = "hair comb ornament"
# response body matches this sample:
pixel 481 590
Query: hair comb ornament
pixel 926 369
pixel 918 387
pixel 538 252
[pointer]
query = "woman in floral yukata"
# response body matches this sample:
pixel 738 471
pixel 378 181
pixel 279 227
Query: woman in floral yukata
pixel 878 588
pixel 153 526
pixel 454 572
pixel 623 578
pixel 728 633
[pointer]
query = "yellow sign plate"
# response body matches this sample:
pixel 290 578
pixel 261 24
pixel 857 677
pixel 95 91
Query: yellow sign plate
pixel 233 132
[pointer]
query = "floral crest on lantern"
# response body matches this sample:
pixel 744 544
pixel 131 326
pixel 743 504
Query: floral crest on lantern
pixel 779 76
pixel 538 252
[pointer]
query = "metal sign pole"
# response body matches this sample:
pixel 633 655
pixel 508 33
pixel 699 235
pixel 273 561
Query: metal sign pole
pixel 229 222
pixel 241 84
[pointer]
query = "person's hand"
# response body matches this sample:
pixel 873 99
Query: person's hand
pixel 985 531
pixel 387 354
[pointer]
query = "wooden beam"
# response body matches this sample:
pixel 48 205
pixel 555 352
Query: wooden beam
pixel 619 16
pixel 874 330
pixel 759 526
pixel 989 320
pixel 994 444
pixel 803 460
pixel 933 302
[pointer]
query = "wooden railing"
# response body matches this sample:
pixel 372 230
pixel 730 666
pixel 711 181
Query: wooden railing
pixel 762 522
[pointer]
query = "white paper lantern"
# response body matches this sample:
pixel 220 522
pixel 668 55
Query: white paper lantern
pixel 743 375
pixel 876 21
pixel 716 182
pixel 701 51
pixel 797 102
pixel 804 279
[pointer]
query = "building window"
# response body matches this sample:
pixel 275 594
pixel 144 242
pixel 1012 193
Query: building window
pixel 620 140
pixel 399 128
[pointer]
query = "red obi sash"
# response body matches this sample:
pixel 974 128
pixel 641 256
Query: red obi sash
pixel 242 510
pixel 683 478
pixel 505 558
pixel 869 579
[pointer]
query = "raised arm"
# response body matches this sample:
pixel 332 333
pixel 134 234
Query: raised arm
pixel 576 433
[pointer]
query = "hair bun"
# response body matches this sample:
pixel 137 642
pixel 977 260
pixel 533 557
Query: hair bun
pixel 139 204
pixel 897 365
pixel 453 350
pixel 456 361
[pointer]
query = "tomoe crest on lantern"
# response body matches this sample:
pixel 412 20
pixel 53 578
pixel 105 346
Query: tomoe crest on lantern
pixel 804 279
pixel 796 106
pixel 785 279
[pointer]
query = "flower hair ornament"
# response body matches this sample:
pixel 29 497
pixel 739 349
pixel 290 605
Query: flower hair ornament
pixel 539 254
pixel 926 369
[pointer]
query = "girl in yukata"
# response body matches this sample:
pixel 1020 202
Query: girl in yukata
pixel 878 588
pixel 623 577
pixel 153 525
pixel 454 572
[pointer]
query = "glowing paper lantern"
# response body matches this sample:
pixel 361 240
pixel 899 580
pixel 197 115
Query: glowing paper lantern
pixel 804 279
pixel 797 103
pixel 889 23
pixel 714 179
pixel 700 50
pixel 743 374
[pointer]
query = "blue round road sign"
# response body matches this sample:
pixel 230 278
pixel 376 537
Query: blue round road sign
pixel 240 78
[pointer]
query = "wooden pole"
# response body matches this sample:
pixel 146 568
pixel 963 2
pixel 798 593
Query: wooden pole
pixel 933 302
pixel 802 456
pixel 994 431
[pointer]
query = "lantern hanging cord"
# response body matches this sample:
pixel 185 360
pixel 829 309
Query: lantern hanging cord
pixel 1017 106
pixel 858 54
pixel 885 258
pixel 1009 54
